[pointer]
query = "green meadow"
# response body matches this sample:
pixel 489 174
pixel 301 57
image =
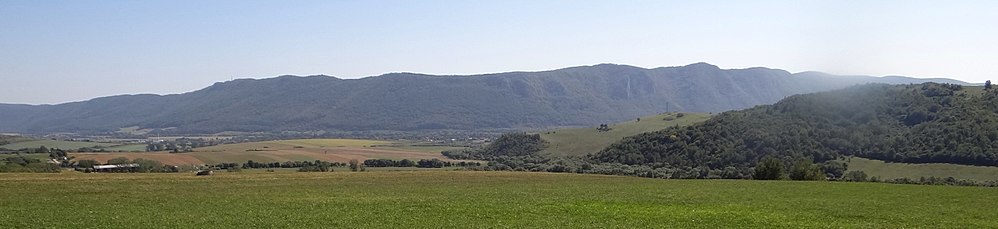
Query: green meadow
pixel 448 199
pixel 582 141
pixel 885 170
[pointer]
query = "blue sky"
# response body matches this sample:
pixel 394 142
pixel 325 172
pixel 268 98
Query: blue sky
pixel 61 51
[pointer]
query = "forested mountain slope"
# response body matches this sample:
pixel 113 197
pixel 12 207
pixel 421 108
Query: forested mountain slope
pixel 924 123
pixel 577 96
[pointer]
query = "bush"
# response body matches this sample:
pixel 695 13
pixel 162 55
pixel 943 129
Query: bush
pixel 834 169
pixel 315 169
pixel 146 166
pixel 731 173
pixel 803 169
pixel 118 161
pixel 89 163
pixel 356 166
pixel 769 168
pixel 30 168
pixel 432 163
pixel 856 176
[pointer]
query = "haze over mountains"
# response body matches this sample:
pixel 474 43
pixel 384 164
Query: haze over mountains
pixel 575 96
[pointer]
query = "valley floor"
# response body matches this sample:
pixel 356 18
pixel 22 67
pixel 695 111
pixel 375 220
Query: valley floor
pixel 450 199
pixel 338 150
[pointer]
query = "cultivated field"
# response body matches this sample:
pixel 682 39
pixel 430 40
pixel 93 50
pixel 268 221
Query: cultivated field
pixel 448 199
pixel 340 150
pixel 914 171
pixel 582 141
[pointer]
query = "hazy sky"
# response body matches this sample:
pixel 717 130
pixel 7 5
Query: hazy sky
pixel 61 51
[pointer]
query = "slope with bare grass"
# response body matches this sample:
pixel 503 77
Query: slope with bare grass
pixel 583 141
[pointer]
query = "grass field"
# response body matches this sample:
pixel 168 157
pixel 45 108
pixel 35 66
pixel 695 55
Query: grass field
pixel 582 141
pixel 340 150
pixel 896 170
pixel 449 199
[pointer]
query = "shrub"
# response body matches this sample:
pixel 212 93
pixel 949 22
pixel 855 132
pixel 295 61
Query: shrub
pixel 803 169
pixel 769 168
pixel 857 176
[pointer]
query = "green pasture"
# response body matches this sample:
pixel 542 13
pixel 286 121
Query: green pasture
pixel 463 199
pixel 582 141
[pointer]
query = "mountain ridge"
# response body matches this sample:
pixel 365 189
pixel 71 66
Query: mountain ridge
pixel 572 96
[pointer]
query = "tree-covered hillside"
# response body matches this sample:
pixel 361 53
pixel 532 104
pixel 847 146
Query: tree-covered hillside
pixel 897 123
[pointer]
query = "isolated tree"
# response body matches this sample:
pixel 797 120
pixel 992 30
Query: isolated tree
pixel 57 154
pixel 355 165
pixel 42 149
pixel 769 168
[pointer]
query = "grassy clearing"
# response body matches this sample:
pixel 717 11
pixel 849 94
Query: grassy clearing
pixel 66 145
pixel 435 199
pixel 886 170
pixel 582 141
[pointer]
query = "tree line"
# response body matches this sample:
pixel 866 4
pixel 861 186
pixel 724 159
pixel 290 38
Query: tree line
pixel 422 163
pixel 21 164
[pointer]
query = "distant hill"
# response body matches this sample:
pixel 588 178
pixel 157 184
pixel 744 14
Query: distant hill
pixel 577 96
pixel 927 123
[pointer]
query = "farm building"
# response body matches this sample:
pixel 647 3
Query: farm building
pixel 115 168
